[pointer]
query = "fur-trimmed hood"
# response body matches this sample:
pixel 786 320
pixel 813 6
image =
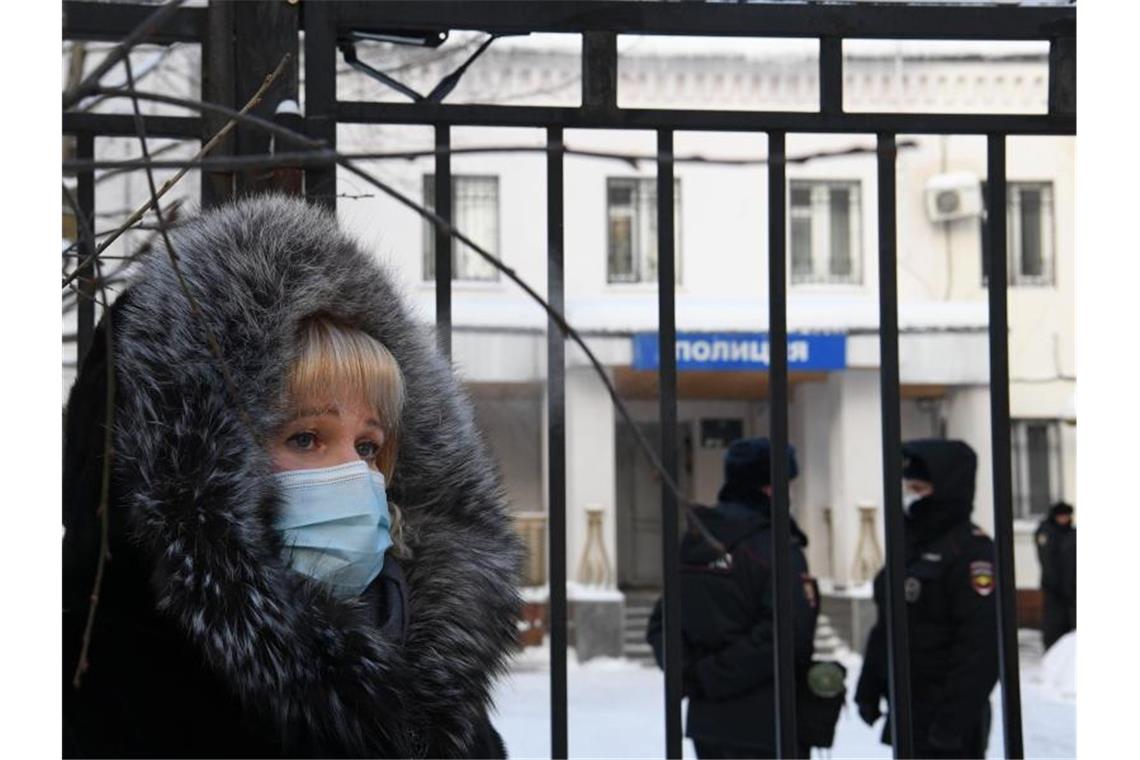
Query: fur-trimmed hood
pixel 194 485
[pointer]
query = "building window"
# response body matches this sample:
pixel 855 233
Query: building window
pixel 475 213
pixel 825 238
pixel 1035 447
pixel 1029 234
pixel 631 211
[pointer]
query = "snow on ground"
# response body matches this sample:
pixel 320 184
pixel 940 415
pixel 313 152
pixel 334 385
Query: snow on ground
pixel 616 709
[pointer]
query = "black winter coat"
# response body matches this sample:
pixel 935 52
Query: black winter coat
pixel 1057 552
pixel 951 606
pixel 727 634
pixel 204 642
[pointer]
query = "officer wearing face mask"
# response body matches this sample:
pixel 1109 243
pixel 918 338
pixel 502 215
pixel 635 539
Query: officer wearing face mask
pixel 951 608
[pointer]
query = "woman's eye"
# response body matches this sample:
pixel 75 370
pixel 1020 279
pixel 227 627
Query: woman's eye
pixel 367 449
pixel 303 441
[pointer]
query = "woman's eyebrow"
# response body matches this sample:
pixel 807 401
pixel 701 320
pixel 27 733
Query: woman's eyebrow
pixel 313 411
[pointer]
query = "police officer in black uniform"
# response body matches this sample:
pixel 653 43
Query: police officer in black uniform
pixel 1057 551
pixel 951 608
pixel 726 612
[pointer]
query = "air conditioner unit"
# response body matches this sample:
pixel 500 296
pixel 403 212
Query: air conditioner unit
pixel 954 195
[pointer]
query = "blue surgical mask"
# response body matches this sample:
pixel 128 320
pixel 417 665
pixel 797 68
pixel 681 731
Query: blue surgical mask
pixel 334 523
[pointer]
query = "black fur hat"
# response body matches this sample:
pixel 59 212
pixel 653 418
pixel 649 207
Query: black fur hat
pixel 748 462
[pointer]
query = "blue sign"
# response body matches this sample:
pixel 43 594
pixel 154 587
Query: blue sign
pixel 743 351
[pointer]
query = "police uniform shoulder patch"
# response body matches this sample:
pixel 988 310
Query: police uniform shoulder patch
pixel 1042 539
pixel 912 589
pixel 982 577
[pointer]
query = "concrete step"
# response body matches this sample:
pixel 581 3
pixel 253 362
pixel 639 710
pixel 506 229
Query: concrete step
pixel 642 652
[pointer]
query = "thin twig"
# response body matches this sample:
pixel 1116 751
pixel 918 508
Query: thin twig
pixel 313 158
pixel 93 298
pixel 195 309
pixel 213 141
pixel 103 511
pixel 152 23
pixel 202 106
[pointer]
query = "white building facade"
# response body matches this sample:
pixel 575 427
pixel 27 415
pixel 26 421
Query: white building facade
pixel 721 293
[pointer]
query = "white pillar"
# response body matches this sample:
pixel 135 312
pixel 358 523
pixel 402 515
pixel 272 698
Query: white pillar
pixel 590 464
pixel 968 419
pixel 810 420
pixel 856 454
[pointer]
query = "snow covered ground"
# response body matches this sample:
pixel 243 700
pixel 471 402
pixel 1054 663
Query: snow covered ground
pixel 616 709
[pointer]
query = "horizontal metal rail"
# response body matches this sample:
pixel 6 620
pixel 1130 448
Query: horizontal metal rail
pixel 106 22
pixel 855 20
pixel 123 125
pixel 360 112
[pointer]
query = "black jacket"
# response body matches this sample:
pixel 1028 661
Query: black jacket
pixel 1057 552
pixel 204 642
pixel 726 623
pixel 951 605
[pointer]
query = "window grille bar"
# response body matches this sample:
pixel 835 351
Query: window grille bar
pixel 556 444
pixel 898 637
pixel 444 245
pixel 783 651
pixel 999 428
pixel 667 384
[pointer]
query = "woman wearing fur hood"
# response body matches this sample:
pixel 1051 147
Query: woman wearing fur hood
pixel 264 595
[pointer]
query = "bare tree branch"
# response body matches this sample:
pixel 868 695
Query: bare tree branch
pixel 138 214
pixel 318 157
pixel 103 510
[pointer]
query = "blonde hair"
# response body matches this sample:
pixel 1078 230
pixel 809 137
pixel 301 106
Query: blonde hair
pixel 344 362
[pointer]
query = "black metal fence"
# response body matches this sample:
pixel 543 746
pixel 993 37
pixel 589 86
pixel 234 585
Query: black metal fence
pixel 238 41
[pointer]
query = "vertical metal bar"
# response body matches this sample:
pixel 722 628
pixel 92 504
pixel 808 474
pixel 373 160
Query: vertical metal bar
pixel 831 75
pixel 599 70
pixel 667 384
pixel 264 32
pixel 784 650
pixel 898 639
pixel 556 446
pixel 320 97
pixel 444 244
pixel 85 195
pixel 1063 75
pixel 218 87
pixel 999 428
